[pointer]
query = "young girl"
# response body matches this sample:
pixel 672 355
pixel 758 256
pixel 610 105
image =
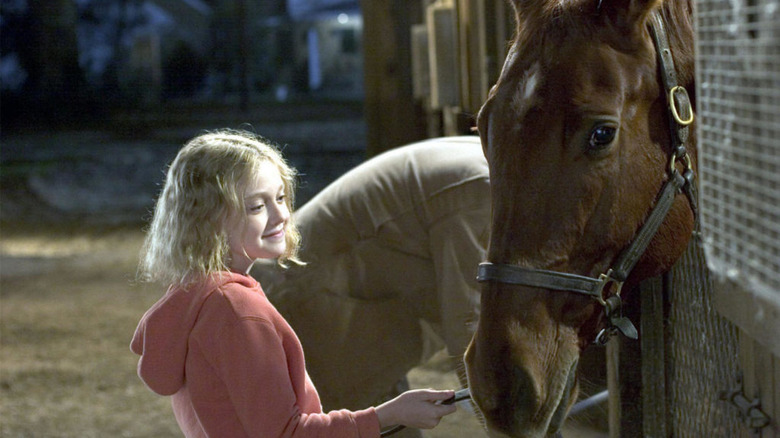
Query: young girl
pixel 230 361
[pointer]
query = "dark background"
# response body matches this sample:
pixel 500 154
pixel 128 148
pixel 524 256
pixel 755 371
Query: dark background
pixel 98 95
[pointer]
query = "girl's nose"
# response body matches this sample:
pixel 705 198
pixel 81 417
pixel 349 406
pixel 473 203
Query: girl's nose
pixel 279 212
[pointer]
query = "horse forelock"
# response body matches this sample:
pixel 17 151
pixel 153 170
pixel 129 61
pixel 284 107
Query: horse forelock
pixel 538 11
pixel 543 26
pixel 537 20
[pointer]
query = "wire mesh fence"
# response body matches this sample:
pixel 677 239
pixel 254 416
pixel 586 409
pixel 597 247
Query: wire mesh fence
pixel 738 55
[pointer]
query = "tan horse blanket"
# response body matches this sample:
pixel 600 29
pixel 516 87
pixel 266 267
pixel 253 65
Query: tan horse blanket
pixel 392 248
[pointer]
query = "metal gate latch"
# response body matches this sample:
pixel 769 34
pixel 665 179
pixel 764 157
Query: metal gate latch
pixel 749 411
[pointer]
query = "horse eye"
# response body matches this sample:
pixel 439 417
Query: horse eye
pixel 601 136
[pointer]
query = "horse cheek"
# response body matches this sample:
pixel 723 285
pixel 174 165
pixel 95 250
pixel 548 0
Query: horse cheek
pixel 668 245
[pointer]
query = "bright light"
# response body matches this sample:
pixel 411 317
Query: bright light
pixel 343 18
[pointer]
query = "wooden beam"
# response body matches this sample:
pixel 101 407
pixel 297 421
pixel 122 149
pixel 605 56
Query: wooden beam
pixel 393 117
pixel 653 344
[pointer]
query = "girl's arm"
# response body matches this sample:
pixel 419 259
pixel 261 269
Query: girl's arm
pixel 271 395
pixel 418 408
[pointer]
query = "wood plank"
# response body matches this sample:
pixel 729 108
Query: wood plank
pixel 393 117
pixel 766 388
pixel 630 370
pixel 443 49
pixel 653 344
pixel 474 81
pixel 421 69
pixel 613 386
pixel 776 391
pixel 747 364
pixel 501 14
pixel 755 311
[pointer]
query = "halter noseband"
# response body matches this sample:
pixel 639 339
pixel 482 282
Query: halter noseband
pixel 681 116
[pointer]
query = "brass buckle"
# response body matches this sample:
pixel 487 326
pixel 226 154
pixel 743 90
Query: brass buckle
pixel 673 105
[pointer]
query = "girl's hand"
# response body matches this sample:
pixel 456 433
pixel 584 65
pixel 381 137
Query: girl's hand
pixel 418 408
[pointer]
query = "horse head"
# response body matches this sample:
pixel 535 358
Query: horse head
pixel 577 135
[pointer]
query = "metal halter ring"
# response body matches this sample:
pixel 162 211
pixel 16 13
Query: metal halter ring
pixel 606 280
pixel 673 161
pixel 673 105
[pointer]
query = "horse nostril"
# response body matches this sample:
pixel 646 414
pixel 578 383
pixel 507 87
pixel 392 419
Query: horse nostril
pixel 524 393
pixel 515 402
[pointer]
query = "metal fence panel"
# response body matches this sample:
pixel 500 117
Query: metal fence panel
pixel 738 54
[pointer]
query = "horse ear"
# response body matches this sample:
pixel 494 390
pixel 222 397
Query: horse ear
pixel 628 16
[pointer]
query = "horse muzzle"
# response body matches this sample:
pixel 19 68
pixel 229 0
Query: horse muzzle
pixel 512 405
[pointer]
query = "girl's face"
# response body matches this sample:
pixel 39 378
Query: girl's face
pixel 265 216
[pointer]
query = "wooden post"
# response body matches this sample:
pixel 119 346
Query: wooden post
pixel 613 386
pixel 393 117
pixel 624 375
pixel 652 340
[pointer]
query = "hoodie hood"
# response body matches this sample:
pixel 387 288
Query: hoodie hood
pixel 162 336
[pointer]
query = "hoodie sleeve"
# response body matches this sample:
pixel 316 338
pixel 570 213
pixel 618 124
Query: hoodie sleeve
pixel 262 367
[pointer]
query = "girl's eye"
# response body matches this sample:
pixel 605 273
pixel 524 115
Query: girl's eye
pixel 601 136
pixel 257 207
pixel 280 199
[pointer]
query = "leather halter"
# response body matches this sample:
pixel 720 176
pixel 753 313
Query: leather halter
pixel 681 115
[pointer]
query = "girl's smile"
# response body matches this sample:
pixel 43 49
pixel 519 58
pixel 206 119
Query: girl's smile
pixel 258 232
pixel 275 235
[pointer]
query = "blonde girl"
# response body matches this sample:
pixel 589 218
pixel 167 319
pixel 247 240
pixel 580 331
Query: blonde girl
pixel 230 362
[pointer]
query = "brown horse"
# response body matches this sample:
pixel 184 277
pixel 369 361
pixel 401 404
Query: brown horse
pixel 587 158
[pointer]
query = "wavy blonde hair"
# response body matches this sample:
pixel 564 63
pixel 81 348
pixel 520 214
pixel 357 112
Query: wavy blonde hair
pixel 187 239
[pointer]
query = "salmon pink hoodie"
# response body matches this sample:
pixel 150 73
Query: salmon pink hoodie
pixel 234 367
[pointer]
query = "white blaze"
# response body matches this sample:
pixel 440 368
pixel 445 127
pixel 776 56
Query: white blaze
pixel 530 81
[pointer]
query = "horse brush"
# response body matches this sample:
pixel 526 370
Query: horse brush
pixel 460 395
